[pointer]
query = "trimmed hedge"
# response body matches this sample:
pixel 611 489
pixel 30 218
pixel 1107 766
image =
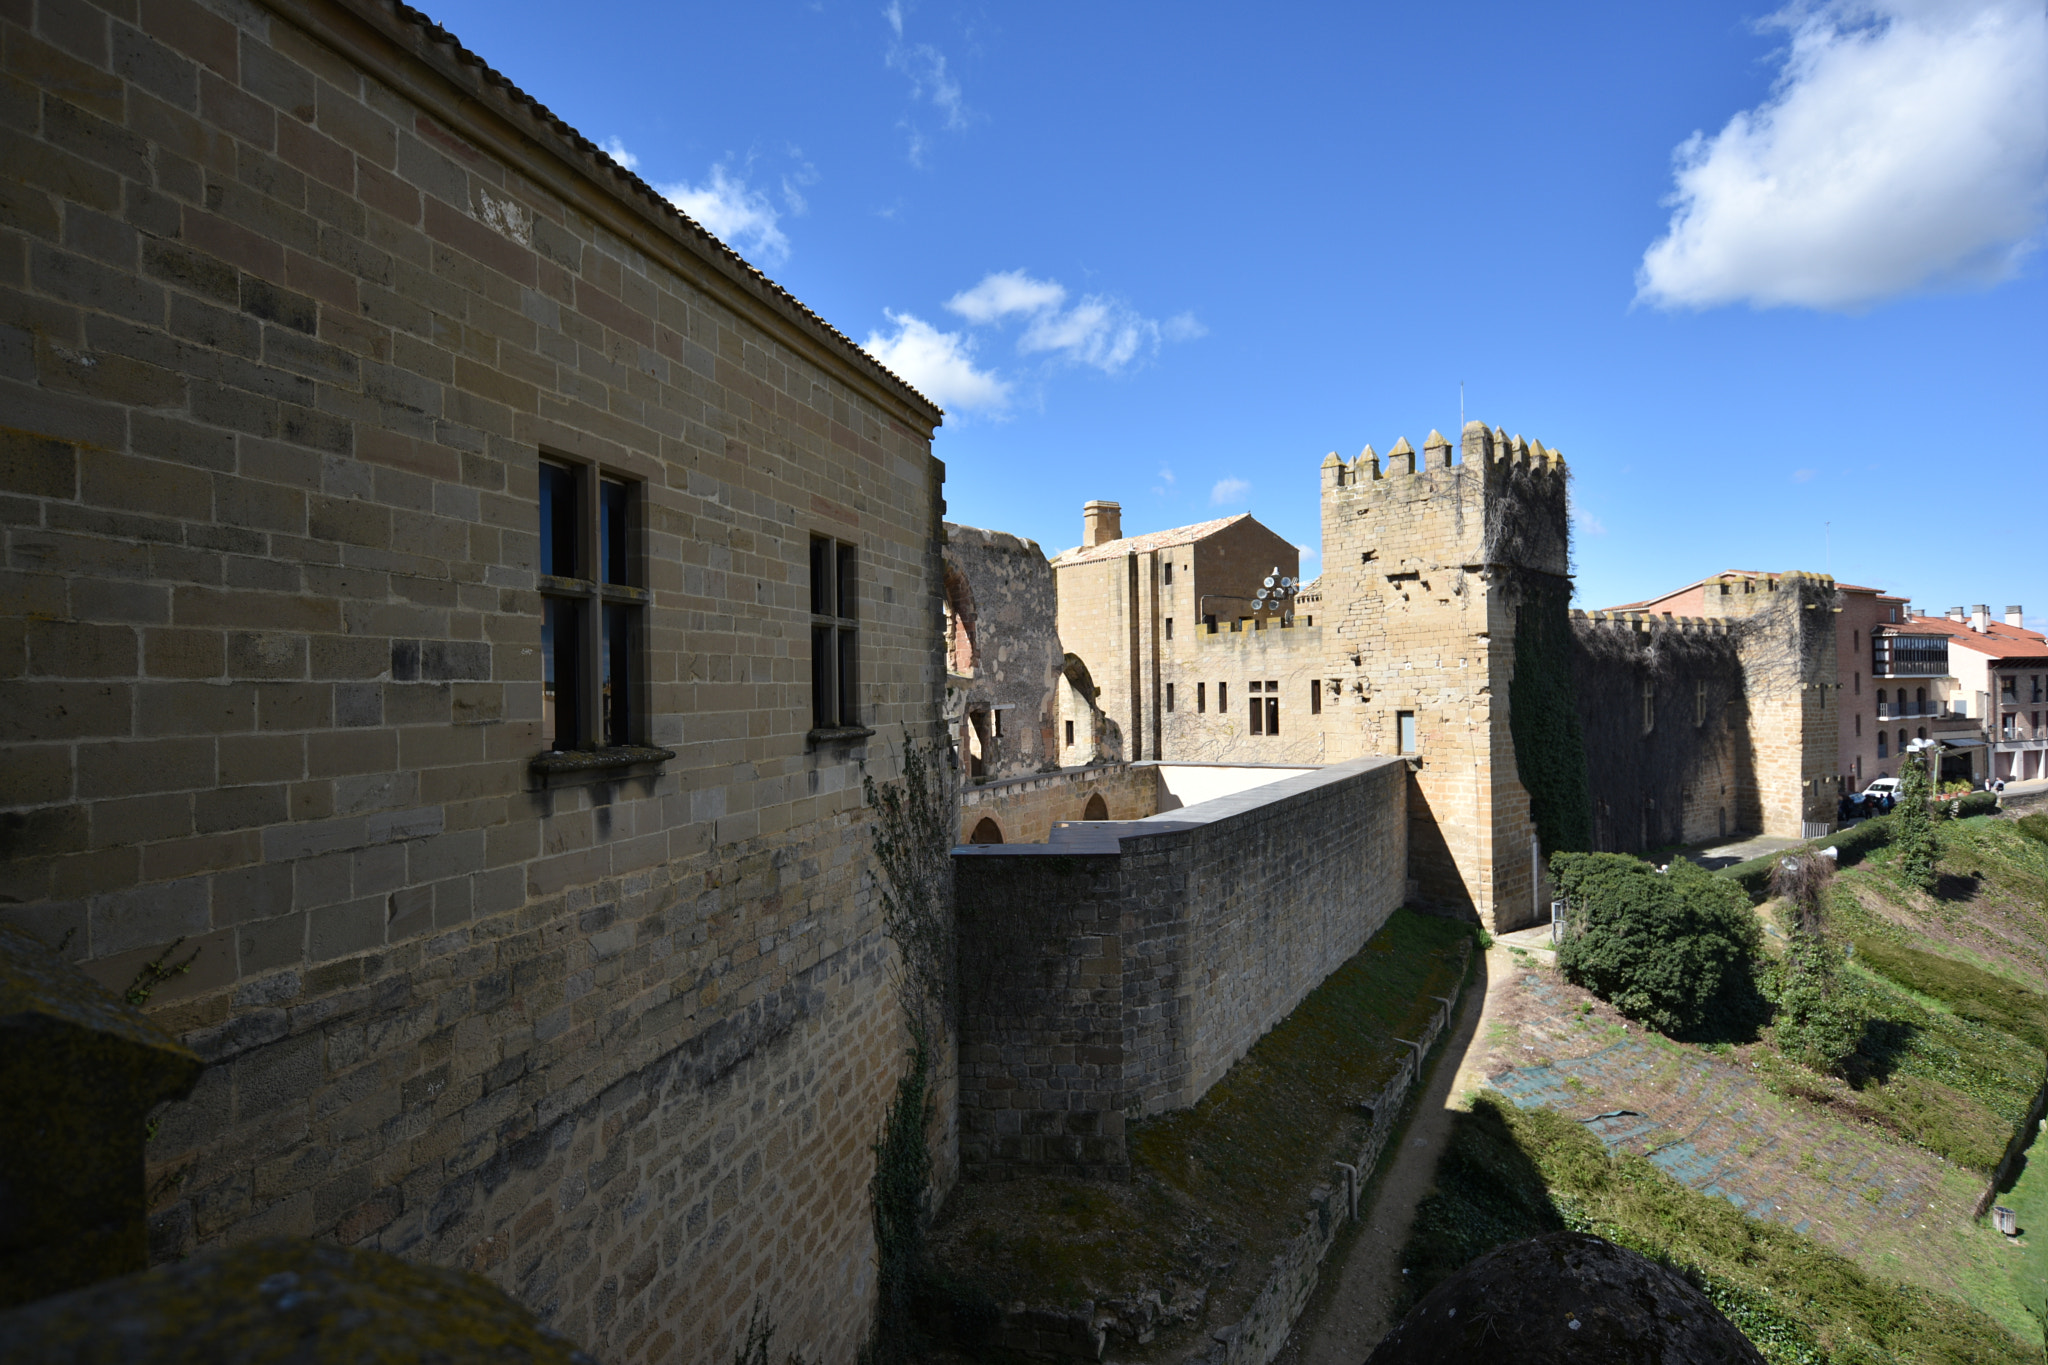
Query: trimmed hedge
pixel 1675 950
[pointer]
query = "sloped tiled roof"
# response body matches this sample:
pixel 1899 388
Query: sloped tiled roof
pixel 1155 540
pixel 2000 641
pixel 433 42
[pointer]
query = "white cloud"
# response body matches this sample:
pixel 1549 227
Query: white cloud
pixel 1166 476
pixel 1099 330
pixel 1581 518
pixel 1096 331
pixel 1309 552
pixel 940 365
pixel 930 79
pixel 1228 492
pixel 1802 475
pixel 615 148
pixel 729 209
pixel 1905 145
pixel 1003 293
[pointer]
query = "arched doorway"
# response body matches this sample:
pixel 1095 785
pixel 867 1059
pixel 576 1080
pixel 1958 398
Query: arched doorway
pixel 987 832
pixel 1098 809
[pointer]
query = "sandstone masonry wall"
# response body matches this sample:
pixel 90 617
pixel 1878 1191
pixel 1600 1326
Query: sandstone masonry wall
pixel 293 297
pixel 1119 973
pixel 1024 808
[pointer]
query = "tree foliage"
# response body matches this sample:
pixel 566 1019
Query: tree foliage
pixel 1815 1020
pixel 1913 827
pixel 1676 950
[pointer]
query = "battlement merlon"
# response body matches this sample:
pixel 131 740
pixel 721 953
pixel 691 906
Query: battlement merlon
pixel 1649 623
pixel 1494 451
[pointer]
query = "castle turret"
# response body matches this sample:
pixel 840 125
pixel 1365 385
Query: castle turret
pixel 1423 580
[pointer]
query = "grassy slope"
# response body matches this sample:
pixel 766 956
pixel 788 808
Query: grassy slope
pixel 1954 984
pixel 1217 1187
pixel 1513 1173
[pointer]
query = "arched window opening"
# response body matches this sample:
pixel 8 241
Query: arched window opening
pixel 1097 808
pixel 987 832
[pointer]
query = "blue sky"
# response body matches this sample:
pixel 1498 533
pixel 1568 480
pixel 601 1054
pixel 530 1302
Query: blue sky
pixel 1753 272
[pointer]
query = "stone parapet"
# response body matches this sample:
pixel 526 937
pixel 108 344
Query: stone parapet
pixel 1120 970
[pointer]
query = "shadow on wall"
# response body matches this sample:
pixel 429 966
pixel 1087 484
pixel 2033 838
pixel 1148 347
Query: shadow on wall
pixel 1433 875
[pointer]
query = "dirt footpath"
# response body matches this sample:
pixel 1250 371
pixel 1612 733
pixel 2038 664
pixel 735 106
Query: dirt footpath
pixel 1360 1297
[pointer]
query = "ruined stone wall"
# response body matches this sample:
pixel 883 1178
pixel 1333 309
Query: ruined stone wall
pixel 297 296
pixel 1121 972
pixel 1005 644
pixel 1024 808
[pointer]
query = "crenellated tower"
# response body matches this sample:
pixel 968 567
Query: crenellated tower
pixel 1427 564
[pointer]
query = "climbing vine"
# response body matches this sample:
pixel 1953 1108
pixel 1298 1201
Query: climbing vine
pixel 1913 833
pixel 1543 720
pixel 913 833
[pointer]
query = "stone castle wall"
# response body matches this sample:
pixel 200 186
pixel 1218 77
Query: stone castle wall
pixel 297 296
pixel 1120 972
pixel 1662 704
pixel 1025 808
pixel 1791 678
pixel 1424 566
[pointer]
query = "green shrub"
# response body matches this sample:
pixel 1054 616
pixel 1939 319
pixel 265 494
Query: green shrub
pixel 1675 950
pixel 1976 803
pixel 2034 826
pixel 1815 1019
pixel 1913 827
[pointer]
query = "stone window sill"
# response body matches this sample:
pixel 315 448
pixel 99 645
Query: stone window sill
pixel 559 763
pixel 834 733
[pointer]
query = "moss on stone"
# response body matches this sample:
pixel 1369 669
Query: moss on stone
pixel 1217 1188
pixel 282 1301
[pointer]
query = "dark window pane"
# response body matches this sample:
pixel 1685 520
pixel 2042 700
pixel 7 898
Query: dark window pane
pixel 849 657
pixel 1222 698
pixel 616 678
pixel 847 594
pixel 614 504
pixel 1258 716
pixel 1315 697
pixel 1201 697
pixel 561 639
pixel 558 522
pixel 821 577
pixel 821 676
pixel 1272 715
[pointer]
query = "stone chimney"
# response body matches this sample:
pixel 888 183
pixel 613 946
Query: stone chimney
pixel 1101 522
pixel 2015 617
pixel 1980 618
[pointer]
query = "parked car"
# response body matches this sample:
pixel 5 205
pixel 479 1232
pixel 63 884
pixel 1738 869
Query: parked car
pixel 1880 789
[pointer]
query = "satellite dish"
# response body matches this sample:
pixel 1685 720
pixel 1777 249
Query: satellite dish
pixel 1269 582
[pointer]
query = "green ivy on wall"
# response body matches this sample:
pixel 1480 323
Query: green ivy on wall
pixel 1550 748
